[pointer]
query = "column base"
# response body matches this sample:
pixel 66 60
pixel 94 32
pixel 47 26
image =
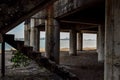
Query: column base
pixel 101 61
pixel 72 54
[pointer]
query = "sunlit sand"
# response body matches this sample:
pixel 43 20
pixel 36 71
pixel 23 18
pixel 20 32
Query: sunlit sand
pixel 67 49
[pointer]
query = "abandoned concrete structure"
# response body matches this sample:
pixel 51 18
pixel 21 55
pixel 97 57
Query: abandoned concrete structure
pixel 74 16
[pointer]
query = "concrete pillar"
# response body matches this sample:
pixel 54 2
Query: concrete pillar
pixel 34 36
pixel 27 33
pixel 46 40
pixel 97 42
pixel 37 39
pixel 112 40
pixel 79 41
pixel 52 37
pixel 57 41
pixel 1 38
pixel 49 38
pixel 73 47
pixel 100 41
pixel 3 59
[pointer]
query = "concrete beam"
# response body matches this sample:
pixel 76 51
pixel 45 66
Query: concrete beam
pixel 81 5
pixel 89 31
pixel 79 22
pixel 65 27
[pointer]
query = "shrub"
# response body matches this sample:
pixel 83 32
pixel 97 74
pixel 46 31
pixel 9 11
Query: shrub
pixel 20 60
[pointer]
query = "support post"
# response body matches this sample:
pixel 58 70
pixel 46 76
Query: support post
pixel 79 41
pixel 1 38
pixel 73 42
pixel 52 36
pixel 3 59
pixel 49 34
pixel 100 41
pixel 27 33
pixel 34 36
pixel 112 40
pixel 37 39
pixel 57 41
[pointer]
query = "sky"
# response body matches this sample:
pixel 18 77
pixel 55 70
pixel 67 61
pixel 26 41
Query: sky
pixel 19 33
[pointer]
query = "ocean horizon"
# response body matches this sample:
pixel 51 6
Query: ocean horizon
pixel 64 43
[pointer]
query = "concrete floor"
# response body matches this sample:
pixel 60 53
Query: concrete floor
pixel 84 65
pixel 30 72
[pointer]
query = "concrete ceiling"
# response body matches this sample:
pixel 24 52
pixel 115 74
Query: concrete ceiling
pixel 92 14
pixel 13 12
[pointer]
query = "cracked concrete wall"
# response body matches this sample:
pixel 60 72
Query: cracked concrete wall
pixel 112 40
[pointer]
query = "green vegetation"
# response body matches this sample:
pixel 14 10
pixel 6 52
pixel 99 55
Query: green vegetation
pixel 19 60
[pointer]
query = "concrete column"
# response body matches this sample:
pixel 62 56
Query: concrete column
pixel 37 39
pixel 49 38
pixel 79 41
pixel 46 40
pixel 73 42
pixel 57 41
pixel 112 40
pixel 49 35
pixel 34 36
pixel 1 38
pixel 52 37
pixel 3 58
pixel 27 33
pixel 100 42
pixel 97 42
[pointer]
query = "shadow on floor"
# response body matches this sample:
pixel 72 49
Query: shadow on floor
pixel 84 65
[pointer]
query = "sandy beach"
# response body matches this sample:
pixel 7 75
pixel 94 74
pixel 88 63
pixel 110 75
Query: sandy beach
pixel 61 49
pixel 67 49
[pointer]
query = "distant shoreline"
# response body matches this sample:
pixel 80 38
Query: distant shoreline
pixel 22 39
pixel 67 49
pixel 61 49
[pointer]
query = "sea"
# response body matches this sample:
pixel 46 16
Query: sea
pixel 64 43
